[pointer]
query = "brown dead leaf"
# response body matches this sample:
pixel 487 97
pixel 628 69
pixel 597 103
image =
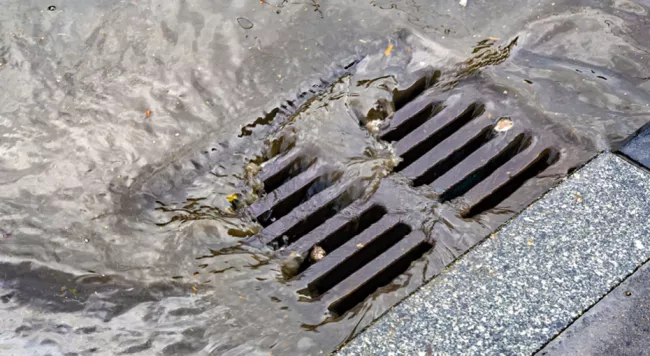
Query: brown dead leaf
pixel 147 113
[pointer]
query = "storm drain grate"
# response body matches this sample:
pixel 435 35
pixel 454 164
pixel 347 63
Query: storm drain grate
pixel 301 194
pixel 462 151
pixel 474 155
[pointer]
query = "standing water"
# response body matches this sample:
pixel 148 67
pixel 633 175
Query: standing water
pixel 132 135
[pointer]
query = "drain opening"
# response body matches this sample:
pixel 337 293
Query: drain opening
pixel 348 231
pixel 364 255
pixel 285 174
pixel 403 97
pixel 286 205
pixel 315 219
pixel 473 111
pixel 545 159
pixel 383 278
pixel 278 146
pixel 413 122
pixel 520 143
pixel 448 163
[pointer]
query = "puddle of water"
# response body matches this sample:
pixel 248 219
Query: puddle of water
pixel 126 127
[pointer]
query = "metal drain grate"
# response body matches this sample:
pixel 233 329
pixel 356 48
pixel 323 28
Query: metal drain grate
pixel 453 143
pixel 464 157
pixel 458 150
pixel 301 194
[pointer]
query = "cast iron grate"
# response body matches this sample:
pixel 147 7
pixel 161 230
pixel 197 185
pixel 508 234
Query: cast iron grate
pixel 461 151
pixel 472 159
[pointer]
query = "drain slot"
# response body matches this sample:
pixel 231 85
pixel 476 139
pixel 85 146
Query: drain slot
pixel 314 220
pixel 346 232
pixel 520 143
pixel 292 170
pixel 448 163
pixel 546 159
pixel 357 260
pixel 410 124
pixel 353 228
pixel 403 97
pixel 296 198
pixel 474 110
pixel 381 279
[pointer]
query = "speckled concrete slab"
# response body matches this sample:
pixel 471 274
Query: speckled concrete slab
pixel 617 325
pixel 530 280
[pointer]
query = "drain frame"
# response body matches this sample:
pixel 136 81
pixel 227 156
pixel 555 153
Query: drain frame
pixel 455 162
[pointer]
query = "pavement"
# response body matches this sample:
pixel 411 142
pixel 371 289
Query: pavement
pixel 557 279
pixel 617 325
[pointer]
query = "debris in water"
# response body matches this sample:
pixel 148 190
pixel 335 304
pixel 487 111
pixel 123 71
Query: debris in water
pixel 388 50
pixel 291 265
pixel 373 126
pixel 235 201
pixel 252 169
pixel 244 23
pixel 493 38
pixel 463 3
pixel 51 8
pixel 147 113
pixel 317 254
pixel 6 235
pixel 504 124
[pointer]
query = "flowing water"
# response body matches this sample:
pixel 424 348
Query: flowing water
pixel 126 126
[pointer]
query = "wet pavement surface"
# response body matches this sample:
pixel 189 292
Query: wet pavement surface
pixel 638 147
pixel 125 128
pixel 618 325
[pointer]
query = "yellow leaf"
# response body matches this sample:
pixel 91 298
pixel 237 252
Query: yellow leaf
pixel 388 50
pixel 232 197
